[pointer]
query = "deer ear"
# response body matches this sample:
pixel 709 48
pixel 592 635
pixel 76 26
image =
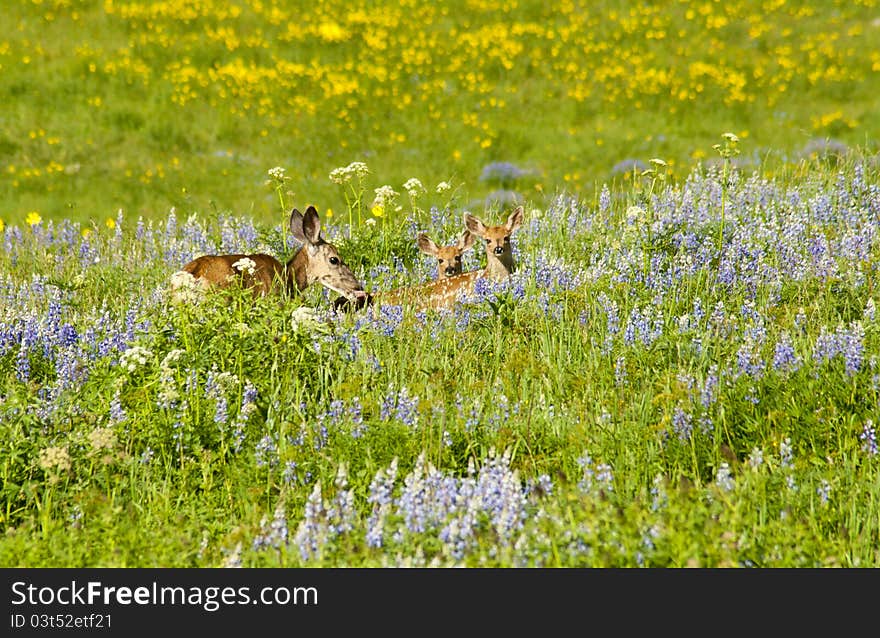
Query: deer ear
pixel 474 225
pixel 466 240
pixel 311 226
pixel 296 225
pixel 426 244
pixel 515 220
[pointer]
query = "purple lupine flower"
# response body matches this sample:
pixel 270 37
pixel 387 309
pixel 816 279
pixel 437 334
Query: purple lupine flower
pixel 381 489
pixel 824 491
pixel 311 535
pixel 273 534
pixel 341 513
pixel 723 477
pixel 605 476
pixel 355 415
pixel 869 438
pixel 786 455
pixel 266 452
pixel 784 357
pixel 756 458
pixel 682 424
pixel 23 364
pixel 620 370
pixel 708 394
pixel 117 413
pixel 604 200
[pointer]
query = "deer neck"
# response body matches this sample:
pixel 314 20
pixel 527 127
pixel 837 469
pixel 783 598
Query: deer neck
pixel 298 278
pixel 499 268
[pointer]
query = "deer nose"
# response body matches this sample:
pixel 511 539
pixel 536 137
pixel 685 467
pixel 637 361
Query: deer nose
pixel 499 250
pixel 450 270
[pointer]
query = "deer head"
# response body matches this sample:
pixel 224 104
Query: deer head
pixel 499 251
pixel 318 260
pixel 449 258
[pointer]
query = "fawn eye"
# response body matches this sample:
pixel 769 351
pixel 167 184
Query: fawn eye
pixel 488 241
pixel 439 261
pixel 458 258
pixel 334 261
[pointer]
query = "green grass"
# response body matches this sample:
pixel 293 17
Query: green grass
pixel 666 437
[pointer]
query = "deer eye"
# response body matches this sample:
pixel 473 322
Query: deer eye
pixel 334 261
pixel 458 258
pixel 488 241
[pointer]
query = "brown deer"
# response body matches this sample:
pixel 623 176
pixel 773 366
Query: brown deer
pixel 316 261
pixel 448 257
pixel 443 293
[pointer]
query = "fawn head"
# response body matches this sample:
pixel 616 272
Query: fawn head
pixel 499 252
pixel 449 258
pixel 318 260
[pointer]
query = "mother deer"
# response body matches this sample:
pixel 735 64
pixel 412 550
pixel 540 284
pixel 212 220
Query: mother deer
pixel 316 261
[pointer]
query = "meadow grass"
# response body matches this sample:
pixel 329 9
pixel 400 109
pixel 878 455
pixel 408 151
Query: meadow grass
pixel 681 372
pixel 144 106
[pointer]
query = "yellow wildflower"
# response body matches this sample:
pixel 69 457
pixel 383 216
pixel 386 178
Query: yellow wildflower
pixel 33 218
pixel 111 223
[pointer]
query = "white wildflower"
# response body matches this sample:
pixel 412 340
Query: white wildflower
pixel 277 174
pixel 305 318
pixel 723 478
pixel 413 187
pixel 102 439
pixel 384 196
pixel 358 169
pixel 245 264
pixel 339 175
pixel 633 214
pixel 344 174
pixel 185 288
pixel 173 356
pixel 134 357
pixel 54 458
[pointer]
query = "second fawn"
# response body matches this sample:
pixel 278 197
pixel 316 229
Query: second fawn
pixel 449 258
pixel 316 261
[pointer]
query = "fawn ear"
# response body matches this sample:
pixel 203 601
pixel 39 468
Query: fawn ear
pixel 426 244
pixel 311 226
pixel 474 225
pixel 515 220
pixel 466 240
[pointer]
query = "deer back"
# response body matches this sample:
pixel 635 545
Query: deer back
pixel 258 272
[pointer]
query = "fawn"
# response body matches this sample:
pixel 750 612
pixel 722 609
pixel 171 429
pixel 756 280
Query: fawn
pixel 448 257
pixel 444 292
pixel 316 261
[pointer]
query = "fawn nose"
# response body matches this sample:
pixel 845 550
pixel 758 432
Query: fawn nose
pixel 450 270
pixel 499 250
